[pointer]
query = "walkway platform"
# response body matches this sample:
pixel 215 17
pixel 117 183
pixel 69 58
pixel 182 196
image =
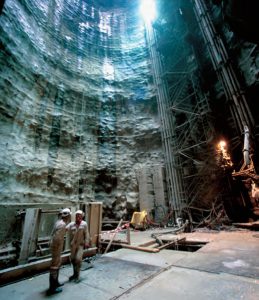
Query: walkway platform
pixel 226 267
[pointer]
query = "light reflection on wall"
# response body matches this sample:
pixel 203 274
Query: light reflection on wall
pixel 148 10
pixel 105 23
pixel 108 69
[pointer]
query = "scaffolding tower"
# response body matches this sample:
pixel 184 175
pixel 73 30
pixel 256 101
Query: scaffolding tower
pixel 187 133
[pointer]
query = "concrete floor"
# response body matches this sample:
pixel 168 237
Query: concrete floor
pixel 227 267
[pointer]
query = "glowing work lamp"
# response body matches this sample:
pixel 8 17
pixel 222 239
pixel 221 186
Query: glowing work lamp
pixel 148 10
pixel 222 144
pixel 223 156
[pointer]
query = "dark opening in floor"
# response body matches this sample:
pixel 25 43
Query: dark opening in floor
pixel 189 246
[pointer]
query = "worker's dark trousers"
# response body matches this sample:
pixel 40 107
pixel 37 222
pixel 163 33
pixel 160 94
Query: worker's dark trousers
pixel 76 271
pixel 53 279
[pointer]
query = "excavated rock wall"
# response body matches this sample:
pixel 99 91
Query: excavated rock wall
pixel 78 112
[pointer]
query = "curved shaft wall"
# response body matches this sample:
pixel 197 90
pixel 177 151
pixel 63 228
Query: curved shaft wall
pixel 78 111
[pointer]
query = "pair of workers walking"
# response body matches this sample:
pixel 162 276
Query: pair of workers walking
pixel 79 239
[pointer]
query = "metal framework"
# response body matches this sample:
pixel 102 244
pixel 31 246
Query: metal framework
pixel 239 108
pixel 184 113
pixel 173 173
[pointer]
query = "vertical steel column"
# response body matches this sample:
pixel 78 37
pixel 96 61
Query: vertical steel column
pixel 221 63
pixel 174 179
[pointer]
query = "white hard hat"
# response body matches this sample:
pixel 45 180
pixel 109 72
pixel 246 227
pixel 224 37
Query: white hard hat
pixel 79 212
pixel 65 212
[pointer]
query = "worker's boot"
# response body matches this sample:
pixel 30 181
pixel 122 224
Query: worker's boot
pixel 58 283
pixel 53 288
pixel 74 274
pixel 77 273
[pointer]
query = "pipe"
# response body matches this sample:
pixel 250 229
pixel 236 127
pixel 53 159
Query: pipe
pixel 175 188
pixel 246 146
pixel 221 63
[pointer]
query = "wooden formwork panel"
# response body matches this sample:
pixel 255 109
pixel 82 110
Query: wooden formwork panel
pixel 94 212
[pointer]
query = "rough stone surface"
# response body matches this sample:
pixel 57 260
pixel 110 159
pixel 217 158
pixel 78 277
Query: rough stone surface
pixel 78 111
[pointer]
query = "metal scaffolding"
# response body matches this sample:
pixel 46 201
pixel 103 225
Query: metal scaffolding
pixel 184 113
pixel 239 108
pixel 173 176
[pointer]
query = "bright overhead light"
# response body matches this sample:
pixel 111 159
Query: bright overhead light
pixel 148 10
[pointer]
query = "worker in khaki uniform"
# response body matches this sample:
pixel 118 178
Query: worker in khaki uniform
pixel 79 239
pixel 56 247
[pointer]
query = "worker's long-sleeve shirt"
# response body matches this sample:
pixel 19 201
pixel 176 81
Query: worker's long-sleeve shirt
pixel 57 242
pixel 79 234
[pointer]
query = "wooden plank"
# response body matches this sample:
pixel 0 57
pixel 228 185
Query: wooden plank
pixel 116 243
pixel 30 234
pixel 94 222
pixel 145 249
pixel 7 249
pixel 113 222
pixel 128 235
pixel 113 236
pixel 94 210
pixel 7 257
pixel 50 211
pixel 148 243
pixel 138 248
